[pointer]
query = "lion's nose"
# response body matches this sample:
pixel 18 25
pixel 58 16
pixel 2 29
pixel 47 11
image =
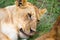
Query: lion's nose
pixel 32 31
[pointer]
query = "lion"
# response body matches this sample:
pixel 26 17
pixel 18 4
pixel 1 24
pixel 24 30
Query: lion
pixel 4 37
pixel 54 34
pixel 20 20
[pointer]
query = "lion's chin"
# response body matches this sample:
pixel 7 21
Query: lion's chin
pixel 21 35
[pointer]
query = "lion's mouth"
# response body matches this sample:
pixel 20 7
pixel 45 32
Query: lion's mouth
pixel 32 32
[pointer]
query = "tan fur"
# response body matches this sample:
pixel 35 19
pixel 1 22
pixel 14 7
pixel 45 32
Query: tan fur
pixel 17 16
pixel 4 37
pixel 54 34
pixel 23 3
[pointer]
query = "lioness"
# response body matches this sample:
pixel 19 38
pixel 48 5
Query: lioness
pixel 19 19
pixel 54 34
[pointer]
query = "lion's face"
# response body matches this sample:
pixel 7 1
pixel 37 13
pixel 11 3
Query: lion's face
pixel 27 20
pixel 27 17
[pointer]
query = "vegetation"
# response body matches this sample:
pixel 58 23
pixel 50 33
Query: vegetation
pixel 47 21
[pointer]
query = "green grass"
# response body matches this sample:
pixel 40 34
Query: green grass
pixel 46 22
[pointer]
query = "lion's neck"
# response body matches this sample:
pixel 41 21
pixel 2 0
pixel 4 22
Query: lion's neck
pixel 9 30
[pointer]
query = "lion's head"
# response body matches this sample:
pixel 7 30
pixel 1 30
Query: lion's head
pixel 27 16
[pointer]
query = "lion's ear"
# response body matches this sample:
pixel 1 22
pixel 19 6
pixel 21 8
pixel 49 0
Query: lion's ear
pixel 41 13
pixel 21 2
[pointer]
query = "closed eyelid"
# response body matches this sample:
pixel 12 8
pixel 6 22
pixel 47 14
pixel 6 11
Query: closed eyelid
pixel 29 15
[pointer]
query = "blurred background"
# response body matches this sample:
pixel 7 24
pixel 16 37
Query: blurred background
pixel 47 21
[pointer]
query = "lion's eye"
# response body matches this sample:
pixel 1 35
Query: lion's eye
pixel 29 15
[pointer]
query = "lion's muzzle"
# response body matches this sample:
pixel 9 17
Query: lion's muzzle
pixel 32 32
